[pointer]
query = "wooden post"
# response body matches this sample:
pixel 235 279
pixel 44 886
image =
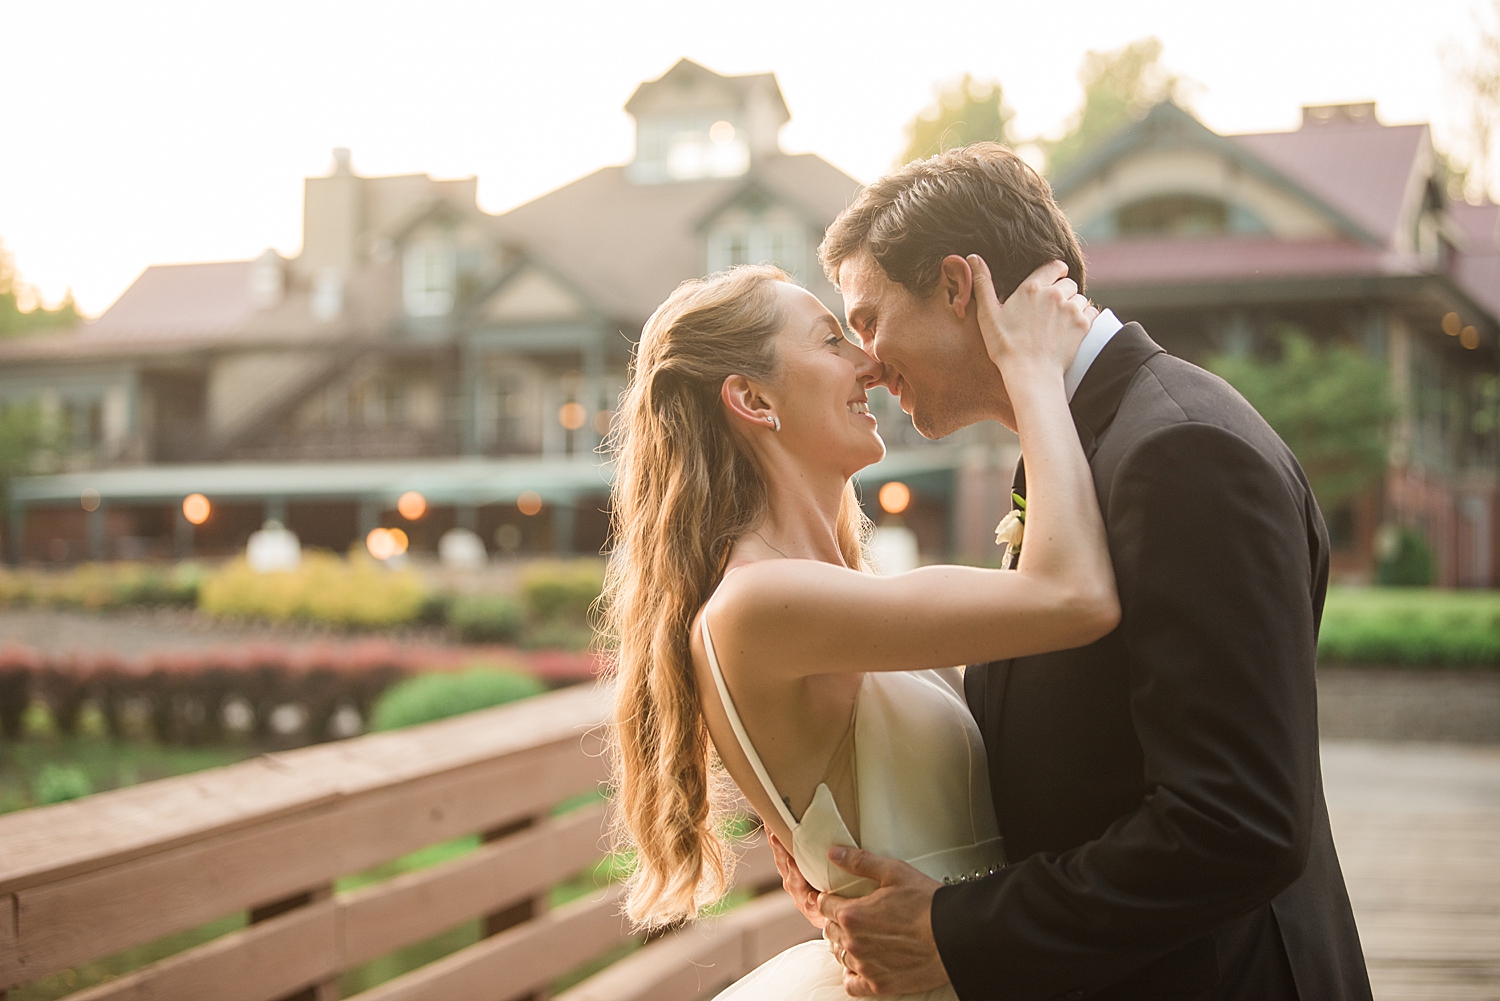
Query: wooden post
pixel 520 912
pixel 327 990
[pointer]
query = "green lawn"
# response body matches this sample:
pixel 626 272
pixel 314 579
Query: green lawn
pixel 1417 627
pixel 47 769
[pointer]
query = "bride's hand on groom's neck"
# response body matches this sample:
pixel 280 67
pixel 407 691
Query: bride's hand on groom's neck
pixel 1039 326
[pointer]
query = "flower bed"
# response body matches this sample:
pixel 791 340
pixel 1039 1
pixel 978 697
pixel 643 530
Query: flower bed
pixel 553 608
pixel 270 695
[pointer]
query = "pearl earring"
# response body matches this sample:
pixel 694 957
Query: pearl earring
pixel 775 423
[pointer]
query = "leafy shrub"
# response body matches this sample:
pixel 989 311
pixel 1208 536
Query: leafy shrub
pixel 325 588
pixel 16 667
pixel 1410 565
pixel 56 783
pixel 97 586
pixel 565 591
pixel 481 618
pixel 436 696
pixel 1414 626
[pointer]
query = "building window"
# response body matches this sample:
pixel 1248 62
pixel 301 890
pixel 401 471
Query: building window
pixel 758 242
pixel 690 147
pixel 85 424
pixel 1173 215
pixel 385 404
pixel 429 272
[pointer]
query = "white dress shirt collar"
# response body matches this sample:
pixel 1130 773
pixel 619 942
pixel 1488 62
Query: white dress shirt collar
pixel 1106 325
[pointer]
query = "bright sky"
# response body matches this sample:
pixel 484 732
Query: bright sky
pixel 152 132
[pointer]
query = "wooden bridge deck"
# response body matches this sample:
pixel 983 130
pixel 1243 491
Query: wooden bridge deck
pixel 1418 833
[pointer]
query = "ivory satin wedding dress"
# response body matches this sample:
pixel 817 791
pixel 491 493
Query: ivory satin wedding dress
pixel 923 792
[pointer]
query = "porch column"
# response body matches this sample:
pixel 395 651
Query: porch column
pixel 564 517
pixel 468 376
pixel 17 532
pixel 98 533
pixel 182 533
pixel 593 394
pixel 369 517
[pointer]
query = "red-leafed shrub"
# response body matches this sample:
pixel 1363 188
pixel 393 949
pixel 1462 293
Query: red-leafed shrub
pixel 16 668
pixel 267 695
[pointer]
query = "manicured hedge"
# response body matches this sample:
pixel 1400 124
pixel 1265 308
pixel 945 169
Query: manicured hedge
pixel 353 591
pixel 98 586
pixel 555 607
pixel 1420 627
pixel 199 697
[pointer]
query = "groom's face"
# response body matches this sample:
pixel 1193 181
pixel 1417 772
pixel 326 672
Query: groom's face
pixel 931 347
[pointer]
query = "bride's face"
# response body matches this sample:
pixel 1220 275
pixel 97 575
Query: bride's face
pixel 821 395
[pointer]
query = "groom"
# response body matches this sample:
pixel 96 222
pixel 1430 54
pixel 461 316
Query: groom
pixel 1159 791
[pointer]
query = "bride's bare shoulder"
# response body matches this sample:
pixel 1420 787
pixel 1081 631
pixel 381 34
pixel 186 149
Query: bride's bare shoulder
pixel 753 593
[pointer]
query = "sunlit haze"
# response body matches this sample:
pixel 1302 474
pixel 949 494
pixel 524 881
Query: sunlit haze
pixel 146 133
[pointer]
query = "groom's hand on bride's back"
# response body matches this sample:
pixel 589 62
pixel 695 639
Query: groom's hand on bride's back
pixel 884 939
pixel 803 893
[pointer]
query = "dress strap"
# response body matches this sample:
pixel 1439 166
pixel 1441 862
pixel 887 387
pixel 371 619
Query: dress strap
pixel 739 730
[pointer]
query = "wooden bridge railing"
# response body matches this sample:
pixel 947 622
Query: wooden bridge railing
pixel 270 837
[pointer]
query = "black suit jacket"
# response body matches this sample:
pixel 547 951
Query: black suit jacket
pixel 1159 791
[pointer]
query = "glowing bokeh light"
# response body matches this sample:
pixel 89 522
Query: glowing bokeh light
pixel 572 415
pixel 529 503
pixel 196 508
pixel 895 496
pixel 721 132
pixel 381 543
pixel 1452 325
pixel 89 499
pixel 1469 338
pixel 411 505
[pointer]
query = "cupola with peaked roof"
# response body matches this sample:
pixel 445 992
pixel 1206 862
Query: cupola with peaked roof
pixel 692 123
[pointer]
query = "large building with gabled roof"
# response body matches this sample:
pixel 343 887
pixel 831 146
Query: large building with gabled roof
pixel 1343 228
pixel 415 343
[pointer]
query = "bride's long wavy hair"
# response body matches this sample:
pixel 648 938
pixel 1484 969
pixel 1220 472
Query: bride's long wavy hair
pixel 686 488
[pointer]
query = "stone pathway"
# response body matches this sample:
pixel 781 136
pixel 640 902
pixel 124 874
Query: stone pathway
pixel 1418 833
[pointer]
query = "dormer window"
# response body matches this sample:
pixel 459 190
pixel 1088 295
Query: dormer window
pixel 1173 215
pixel 771 239
pixel 429 278
pixel 690 147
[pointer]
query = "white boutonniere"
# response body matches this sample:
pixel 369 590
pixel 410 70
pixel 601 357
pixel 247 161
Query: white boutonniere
pixel 1010 531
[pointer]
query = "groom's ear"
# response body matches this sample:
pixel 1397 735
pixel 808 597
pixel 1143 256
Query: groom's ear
pixel 956 285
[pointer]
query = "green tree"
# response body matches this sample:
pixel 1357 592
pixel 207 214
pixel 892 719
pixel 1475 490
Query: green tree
pixel 1329 403
pixel 26 438
pixel 1118 87
pixel 14 320
pixel 1476 74
pixel 970 111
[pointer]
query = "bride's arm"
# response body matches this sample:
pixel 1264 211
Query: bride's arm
pixel 803 617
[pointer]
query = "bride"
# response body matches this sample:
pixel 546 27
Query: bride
pixel 750 630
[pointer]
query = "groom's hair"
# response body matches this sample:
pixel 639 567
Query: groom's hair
pixel 981 199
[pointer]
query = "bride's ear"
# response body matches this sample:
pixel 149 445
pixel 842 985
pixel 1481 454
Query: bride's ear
pixel 746 402
pixel 956 285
